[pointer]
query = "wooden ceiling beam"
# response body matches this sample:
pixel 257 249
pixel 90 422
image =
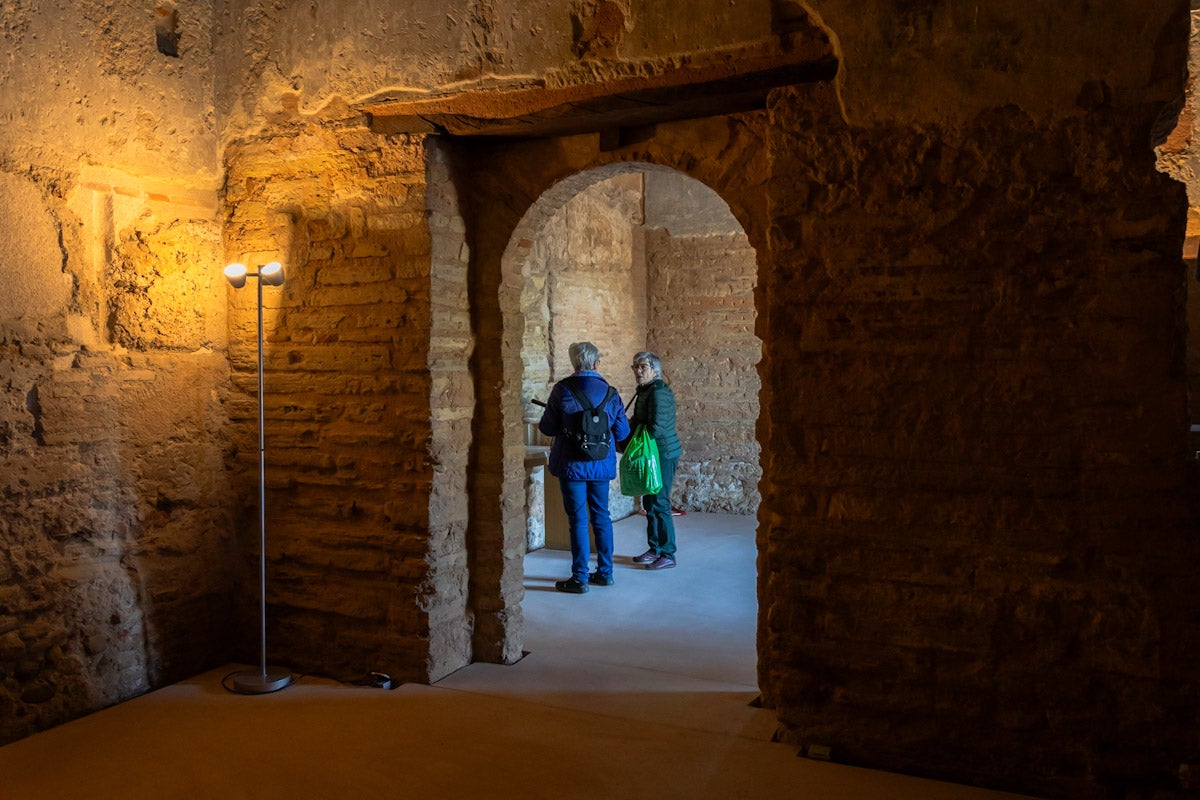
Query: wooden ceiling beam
pixel 721 84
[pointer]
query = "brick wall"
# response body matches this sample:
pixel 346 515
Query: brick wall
pixel 359 551
pixel 702 326
pixel 444 595
pixel 976 539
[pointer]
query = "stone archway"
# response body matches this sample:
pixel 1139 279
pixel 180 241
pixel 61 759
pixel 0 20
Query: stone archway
pixel 506 178
pixel 633 257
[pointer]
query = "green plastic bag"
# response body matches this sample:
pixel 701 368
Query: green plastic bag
pixel 640 471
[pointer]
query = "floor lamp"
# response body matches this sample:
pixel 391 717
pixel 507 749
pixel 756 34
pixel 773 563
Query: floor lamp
pixel 263 680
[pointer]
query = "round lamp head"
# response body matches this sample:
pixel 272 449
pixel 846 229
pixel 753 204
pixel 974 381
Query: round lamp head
pixel 271 274
pixel 236 274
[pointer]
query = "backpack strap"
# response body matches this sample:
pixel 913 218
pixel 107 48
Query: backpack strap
pixel 581 398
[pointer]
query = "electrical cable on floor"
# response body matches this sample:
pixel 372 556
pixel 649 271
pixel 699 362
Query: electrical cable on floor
pixel 226 685
pixel 377 680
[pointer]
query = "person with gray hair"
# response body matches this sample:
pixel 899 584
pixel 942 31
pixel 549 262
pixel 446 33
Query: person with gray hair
pixel 654 409
pixel 584 459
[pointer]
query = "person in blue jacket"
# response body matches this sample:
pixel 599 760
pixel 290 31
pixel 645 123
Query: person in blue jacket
pixel 584 483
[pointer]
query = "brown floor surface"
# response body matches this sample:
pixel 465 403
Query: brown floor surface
pixel 639 690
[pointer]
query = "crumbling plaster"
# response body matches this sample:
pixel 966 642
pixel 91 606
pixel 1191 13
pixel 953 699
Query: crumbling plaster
pixel 111 97
pixel 116 563
pixel 83 82
pixel 927 60
pixel 288 58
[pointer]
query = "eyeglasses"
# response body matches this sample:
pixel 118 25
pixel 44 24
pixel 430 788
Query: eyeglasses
pixel 637 367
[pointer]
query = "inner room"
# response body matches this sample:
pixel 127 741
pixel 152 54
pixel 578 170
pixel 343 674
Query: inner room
pixel 648 260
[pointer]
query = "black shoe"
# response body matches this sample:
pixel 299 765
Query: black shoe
pixel 662 562
pixel 599 580
pixel 571 586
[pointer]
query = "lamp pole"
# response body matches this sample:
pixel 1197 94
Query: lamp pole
pixel 265 679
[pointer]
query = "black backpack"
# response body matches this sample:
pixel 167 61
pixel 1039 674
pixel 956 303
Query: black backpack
pixel 589 431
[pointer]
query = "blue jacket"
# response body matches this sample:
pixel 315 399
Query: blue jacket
pixel 562 403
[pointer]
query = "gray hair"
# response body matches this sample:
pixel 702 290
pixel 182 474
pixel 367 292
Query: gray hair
pixel 650 358
pixel 584 356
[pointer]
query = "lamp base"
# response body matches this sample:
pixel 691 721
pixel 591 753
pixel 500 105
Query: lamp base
pixel 261 682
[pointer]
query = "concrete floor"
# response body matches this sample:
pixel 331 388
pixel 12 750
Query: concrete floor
pixel 639 690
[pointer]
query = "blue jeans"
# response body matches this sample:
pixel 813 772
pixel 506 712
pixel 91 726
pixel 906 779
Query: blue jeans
pixel 581 498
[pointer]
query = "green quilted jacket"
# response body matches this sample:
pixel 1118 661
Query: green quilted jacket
pixel 654 407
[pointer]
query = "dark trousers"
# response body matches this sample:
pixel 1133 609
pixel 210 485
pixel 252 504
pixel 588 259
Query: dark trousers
pixel 660 528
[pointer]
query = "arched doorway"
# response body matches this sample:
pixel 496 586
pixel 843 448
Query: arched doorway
pixel 635 256
pixel 501 181
pixel 644 257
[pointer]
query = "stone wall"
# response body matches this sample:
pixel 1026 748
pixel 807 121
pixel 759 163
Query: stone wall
pixel 283 57
pixel 115 568
pixel 976 522
pixel 702 326
pixel 110 83
pixel 359 558
pixel 115 538
pixel 591 251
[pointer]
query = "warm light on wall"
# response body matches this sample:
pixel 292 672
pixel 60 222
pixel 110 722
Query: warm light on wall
pixel 274 678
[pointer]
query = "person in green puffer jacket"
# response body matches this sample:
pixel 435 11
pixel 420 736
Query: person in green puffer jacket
pixel 654 407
